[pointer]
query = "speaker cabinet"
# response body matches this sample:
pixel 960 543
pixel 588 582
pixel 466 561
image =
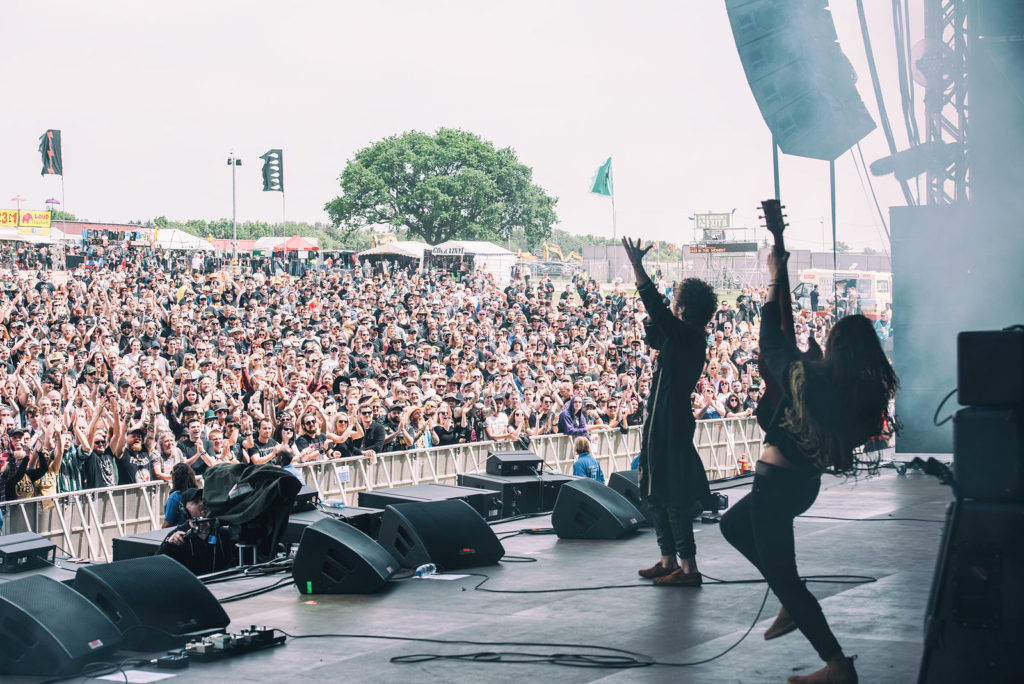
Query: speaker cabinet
pixel 450 534
pixel 586 509
pixel 336 558
pixel 627 483
pixel 48 629
pixel 988 454
pixel 976 384
pixel 513 463
pixel 974 624
pixel 800 78
pixel 154 601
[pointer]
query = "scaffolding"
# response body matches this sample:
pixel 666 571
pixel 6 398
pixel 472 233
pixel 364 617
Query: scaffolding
pixel 940 65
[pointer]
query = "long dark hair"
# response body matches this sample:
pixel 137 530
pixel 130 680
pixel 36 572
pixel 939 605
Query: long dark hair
pixel 864 380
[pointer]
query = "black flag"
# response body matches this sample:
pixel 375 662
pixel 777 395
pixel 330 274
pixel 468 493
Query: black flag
pixel 273 171
pixel 49 148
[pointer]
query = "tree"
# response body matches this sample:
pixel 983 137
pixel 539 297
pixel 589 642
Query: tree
pixel 440 187
pixel 843 248
pixel 58 215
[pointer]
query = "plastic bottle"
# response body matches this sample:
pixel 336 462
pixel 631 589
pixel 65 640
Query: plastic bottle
pixel 426 570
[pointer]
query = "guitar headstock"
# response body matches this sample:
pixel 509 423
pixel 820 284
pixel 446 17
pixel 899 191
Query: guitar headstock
pixel 774 219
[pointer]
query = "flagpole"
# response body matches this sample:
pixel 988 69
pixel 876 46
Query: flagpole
pixel 611 186
pixel 613 214
pixel 63 218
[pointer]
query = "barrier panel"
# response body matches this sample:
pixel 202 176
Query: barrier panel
pixel 83 524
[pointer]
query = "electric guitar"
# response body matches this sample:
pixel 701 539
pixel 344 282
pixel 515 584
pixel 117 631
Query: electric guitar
pixel 775 222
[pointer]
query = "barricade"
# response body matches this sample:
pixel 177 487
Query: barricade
pixel 83 524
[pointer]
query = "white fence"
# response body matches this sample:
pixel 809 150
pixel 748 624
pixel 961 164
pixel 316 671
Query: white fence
pixel 83 524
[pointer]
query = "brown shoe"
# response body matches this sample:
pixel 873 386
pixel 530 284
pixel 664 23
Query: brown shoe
pixel 836 671
pixel 657 570
pixel 678 578
pixel 783 625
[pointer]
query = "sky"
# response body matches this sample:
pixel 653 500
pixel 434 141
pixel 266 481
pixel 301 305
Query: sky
pixel 151 97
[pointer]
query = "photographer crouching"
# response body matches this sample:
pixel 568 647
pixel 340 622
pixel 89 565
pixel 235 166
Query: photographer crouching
pixel 199 543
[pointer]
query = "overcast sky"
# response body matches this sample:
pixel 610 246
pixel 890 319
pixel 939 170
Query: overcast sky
pixel 151 96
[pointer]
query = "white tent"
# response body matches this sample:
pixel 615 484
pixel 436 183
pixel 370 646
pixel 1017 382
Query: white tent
pixel 406 248
pixel 267 244
pixel 489 257
pixel 172 238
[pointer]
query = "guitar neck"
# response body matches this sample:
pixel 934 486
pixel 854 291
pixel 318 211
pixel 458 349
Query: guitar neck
pixel 782 293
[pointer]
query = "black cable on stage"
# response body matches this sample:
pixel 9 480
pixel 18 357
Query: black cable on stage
pixel 935 418
pixel 822 579
pixel 608 657
pixel 518 559
pixel 833 517
pixel 257 592
pixel 622 658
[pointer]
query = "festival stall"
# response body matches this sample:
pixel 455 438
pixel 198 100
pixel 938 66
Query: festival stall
pixel 402 253
pixel 464 256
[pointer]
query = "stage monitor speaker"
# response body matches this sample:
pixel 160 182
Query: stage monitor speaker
pixel 974 624
pixel 988 454
pixel 513 463
pixel 154 601
pixel 976 384
pixel 627 483
pixel 336 558
pixel 25 551
pixel 800 78
pixel 587 509
pixel 449 533
pixel 48 629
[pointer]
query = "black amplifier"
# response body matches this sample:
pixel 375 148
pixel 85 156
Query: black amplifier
pixel 25 551
pixel 520 494
pixel 486 503
pixel 513 463
pixel 366 520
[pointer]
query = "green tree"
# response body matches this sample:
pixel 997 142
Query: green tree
pixel 842 247
pixel 59 215
pixel 440 187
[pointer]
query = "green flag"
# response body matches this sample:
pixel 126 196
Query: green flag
pixel 603 179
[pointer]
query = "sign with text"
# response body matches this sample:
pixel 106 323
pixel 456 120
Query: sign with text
pixel 448 251
pixel 723 247
pixel 34 223
pixel 8 217
pixel 713 221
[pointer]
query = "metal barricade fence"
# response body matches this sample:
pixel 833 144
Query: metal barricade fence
pixel 83 524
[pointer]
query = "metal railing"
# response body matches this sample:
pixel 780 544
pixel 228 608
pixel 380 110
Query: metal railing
pixel 84 524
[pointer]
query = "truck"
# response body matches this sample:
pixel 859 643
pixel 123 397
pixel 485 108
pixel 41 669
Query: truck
pixel 874 288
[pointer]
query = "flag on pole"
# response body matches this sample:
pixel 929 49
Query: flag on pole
pixel 273 171
pixel 603 180
pixel 49 148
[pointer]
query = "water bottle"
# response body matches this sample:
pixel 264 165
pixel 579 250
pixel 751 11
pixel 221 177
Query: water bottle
pixel 426 570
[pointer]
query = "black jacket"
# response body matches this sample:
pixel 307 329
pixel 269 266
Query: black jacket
pixel 671 472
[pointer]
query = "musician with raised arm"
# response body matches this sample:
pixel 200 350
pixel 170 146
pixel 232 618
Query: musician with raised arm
pixel 827 406
pixel 672 478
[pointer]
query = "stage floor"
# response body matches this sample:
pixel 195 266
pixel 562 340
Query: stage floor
pixel 881 621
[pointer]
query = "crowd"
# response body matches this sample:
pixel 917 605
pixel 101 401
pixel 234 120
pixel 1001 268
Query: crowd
pixel 120 371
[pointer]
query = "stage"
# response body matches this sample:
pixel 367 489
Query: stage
pixel 881 621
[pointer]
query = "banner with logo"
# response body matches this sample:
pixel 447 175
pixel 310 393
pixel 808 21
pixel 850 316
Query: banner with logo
pixel 34 222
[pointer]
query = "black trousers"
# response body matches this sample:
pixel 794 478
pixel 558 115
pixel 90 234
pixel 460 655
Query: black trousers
pixel 760 526
pixel 673 526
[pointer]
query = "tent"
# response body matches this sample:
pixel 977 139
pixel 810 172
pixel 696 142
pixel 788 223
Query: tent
pixel 297 243
pixel 491 258
pixel 172 238
pixel 404 248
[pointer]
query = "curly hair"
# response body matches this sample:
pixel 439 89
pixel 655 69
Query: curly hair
pixel 698 301
pixel 182 477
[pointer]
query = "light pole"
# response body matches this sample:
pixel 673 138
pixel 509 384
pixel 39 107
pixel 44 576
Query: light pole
pixel 233 161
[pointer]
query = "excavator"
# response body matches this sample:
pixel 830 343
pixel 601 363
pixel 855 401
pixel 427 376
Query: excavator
pixel 556 250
